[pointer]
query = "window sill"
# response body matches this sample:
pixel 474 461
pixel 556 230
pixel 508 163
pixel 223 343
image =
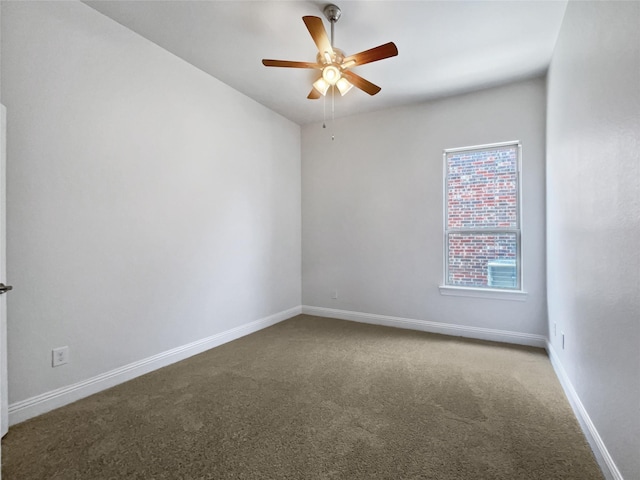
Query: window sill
pixel 494 294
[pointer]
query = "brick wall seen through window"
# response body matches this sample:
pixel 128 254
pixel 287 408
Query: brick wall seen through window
pixel 482 225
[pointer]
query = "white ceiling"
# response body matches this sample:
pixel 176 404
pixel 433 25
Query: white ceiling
pixel 445 47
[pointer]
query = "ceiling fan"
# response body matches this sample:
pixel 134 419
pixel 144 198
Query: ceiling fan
pixel 332 63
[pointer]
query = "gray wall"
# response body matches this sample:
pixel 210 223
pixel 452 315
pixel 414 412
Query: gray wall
pixel 593 217
pixel 149 205
pixel 372 203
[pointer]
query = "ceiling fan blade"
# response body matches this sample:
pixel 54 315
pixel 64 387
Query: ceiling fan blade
pixel 361 83
pixel 286 63
pixel 318 33
pixel 314 94
pixel 372 55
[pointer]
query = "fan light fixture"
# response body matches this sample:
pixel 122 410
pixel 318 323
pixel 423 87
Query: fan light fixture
pixel 331 76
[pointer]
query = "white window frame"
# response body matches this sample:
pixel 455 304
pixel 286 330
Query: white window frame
pixel 485 292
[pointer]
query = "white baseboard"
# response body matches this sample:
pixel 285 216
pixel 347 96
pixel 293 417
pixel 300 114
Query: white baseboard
pixel 504 336
pixel 34 406
pixel 604 459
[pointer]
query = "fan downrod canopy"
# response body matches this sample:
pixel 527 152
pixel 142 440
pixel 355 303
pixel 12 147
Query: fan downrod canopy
pixel 332 12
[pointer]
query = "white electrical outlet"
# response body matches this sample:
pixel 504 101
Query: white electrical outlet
pixel 59 356
pixel 334 294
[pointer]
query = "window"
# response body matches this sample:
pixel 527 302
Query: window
pixel 482 217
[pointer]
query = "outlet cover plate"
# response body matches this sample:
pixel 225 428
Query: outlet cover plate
pixel 59 356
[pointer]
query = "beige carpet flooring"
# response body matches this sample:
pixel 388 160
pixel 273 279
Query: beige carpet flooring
pixel 316 398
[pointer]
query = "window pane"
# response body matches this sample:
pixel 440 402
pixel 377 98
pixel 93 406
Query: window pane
pixel 483 260
pixel 482 188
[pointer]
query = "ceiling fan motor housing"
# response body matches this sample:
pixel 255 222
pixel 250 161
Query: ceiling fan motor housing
pixel 337 58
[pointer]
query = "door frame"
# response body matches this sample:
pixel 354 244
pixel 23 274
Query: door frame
pixel 4 397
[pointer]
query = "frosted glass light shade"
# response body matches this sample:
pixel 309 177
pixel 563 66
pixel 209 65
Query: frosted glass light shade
pixel 321 86
pixel 331 74
pixel 343 85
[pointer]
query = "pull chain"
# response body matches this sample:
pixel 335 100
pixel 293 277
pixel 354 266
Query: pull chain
pixel 333 98
pixel 324 111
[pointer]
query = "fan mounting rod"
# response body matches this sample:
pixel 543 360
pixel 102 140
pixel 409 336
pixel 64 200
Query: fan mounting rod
pixel 332 12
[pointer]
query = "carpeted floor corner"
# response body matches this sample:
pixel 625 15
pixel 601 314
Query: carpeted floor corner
pixel 317 398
